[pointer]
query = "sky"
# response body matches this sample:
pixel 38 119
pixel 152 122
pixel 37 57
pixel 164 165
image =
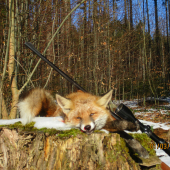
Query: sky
pixel 137 12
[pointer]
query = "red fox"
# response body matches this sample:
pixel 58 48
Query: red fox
pixel 80 110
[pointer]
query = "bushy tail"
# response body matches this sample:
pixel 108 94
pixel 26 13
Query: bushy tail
pixel 36 102
pixel 25 112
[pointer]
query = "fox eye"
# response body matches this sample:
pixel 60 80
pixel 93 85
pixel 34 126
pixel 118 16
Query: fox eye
pixel 78 118
pixel 92 114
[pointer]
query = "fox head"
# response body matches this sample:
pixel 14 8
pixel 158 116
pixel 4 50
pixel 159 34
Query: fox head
pixel 85 111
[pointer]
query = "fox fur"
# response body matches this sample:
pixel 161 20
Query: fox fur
pixel 79 110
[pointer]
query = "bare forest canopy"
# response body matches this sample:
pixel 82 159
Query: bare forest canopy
pixel 101 45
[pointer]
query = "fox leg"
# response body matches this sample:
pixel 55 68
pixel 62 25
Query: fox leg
pixel 134 145
pixel 120 125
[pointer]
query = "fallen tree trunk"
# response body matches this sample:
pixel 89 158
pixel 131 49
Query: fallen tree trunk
pixel 39 150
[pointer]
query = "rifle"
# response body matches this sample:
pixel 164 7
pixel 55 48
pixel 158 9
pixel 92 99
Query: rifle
pixel 122 111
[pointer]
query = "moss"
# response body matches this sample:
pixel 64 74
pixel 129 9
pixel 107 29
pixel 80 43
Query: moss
pixel 158 167
pixel 110 156
pixel 18 125
pixel 119 150
pixel 99 131
pixel 48 132
pixel 69 133
pixel 123 145
pixel 30 127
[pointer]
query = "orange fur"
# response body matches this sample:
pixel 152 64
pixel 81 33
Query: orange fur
pixel 80 110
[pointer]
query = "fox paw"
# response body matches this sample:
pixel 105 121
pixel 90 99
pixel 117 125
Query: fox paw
pixel 104 130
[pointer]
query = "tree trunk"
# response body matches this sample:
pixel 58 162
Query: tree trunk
pixel 131 15
pixel 11 66
pixel 157 30
pixel 96 59
pixel 147 9
pixel 39 150
pixel 3 110
pixel 125 17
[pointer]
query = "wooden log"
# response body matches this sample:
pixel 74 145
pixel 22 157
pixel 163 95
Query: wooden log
pixel 36 150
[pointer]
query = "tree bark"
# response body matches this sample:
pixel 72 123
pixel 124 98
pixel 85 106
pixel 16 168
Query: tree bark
pixel 3 110
pixel 131 15
pixel 11 63
pixel 39 150
pixel 157 39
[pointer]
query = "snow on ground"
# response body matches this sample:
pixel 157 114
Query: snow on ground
pixel 42 122
pixel 8 122
pixel 156 125
pixel 153 125
pixel 131 104
pixel 163 156
pixel 50 122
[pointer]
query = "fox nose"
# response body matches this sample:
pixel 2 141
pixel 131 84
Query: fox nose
pixel 87 127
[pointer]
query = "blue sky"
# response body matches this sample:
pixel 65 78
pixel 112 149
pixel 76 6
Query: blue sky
pixel 137 13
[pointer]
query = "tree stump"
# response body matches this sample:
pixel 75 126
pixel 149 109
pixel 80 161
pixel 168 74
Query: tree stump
pixel 21 150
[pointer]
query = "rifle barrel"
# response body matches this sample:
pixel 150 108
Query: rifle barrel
pixel 31 47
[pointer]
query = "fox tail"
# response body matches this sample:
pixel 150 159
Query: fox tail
pixel 36 102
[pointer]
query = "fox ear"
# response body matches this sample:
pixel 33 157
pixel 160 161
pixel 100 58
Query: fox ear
pixel 63 103
pixel 104 100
